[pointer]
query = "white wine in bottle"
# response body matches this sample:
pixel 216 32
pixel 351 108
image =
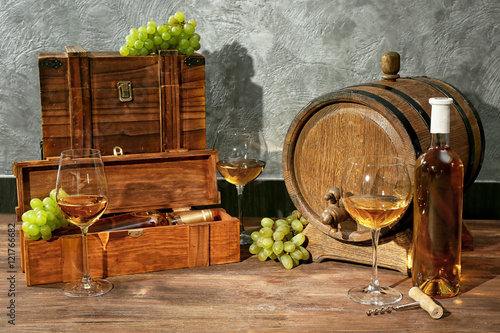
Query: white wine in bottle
pixel 438 201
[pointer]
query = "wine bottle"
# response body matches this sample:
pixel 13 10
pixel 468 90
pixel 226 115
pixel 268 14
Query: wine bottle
pixel 438 201
pixel 133 220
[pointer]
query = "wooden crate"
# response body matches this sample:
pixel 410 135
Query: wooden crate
pixel 143 104
pixel 169 180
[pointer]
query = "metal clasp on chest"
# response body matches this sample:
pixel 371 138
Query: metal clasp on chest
pixel 125 91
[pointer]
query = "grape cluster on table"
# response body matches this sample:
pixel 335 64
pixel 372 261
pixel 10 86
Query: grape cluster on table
pixel 281 240
pixel 43 218
pixel 177 34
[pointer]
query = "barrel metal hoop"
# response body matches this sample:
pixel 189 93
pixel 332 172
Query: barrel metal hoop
pixel 468 129
pixel 421 112
pixel 409 129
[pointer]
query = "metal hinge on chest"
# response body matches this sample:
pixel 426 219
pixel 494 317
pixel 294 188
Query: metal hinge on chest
pixel 194 61
pixel 50 63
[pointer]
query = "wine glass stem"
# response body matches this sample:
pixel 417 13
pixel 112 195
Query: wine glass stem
pixel 86 276
pixel 239 190
pixel 374 283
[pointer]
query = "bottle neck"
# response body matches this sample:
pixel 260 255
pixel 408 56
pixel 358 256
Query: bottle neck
pixel 440 139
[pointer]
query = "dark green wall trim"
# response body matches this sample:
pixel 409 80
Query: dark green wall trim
pixel 8 195
pixel 260 198
pixel 270 198
pixel 482 201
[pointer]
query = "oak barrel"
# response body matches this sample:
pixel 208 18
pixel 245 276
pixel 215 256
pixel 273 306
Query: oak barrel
pixel 391 116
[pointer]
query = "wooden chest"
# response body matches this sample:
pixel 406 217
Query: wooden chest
pixel 168 180
pixel 102 100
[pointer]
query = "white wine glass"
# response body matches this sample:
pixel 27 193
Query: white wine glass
pixel 376 191
pixel 242 157
pixel 82 196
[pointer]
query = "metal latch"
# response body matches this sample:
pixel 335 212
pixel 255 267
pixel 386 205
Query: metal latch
pixel 117 151
pixel 125 91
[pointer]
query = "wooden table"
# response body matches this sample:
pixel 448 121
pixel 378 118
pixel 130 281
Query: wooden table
pixel 251 296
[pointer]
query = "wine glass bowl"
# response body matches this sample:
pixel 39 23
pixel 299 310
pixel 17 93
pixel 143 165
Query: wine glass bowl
pixel 82 210
pixel 242 158
pixel 82 196
pixel 376 191
pixel 240 172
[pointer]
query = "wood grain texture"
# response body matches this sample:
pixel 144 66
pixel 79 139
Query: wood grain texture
pixel 192 105
pixel 110 253
pixel 258 296
pixel 119 253
pixel 224 240
pixel 394 250
pixel 79 96
pixel 81 105
pixel 170 102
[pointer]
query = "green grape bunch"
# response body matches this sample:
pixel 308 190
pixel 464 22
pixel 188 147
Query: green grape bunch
pixel 177 34
pixel 43 218
pixel 281 240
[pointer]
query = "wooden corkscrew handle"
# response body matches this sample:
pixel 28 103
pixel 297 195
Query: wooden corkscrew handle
pixel 426 302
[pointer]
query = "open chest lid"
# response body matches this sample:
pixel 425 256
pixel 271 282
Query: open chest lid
pixel 167 180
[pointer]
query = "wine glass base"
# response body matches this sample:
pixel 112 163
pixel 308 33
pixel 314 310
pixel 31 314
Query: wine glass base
pixel 95 287
pixel 384 296
pixel 245 239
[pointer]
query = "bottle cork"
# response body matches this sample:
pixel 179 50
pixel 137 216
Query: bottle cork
pixel 440 114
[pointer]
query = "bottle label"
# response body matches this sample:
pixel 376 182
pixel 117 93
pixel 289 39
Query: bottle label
pixel 440 114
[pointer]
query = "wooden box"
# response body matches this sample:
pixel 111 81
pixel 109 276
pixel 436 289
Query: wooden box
pixel 168 180
pixel 143 104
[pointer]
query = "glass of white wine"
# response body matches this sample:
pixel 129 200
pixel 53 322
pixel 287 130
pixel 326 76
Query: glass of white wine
pixel 242 157
pixel 82 196
pixel 376 191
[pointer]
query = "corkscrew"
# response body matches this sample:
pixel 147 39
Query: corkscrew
pixel 424 301
pixel 390 308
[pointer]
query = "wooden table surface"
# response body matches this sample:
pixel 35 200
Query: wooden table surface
pixel 250 296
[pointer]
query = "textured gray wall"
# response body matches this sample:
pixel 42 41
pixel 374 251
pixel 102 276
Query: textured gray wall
pixel 265 59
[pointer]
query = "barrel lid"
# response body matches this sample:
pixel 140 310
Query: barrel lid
pixel 330 129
